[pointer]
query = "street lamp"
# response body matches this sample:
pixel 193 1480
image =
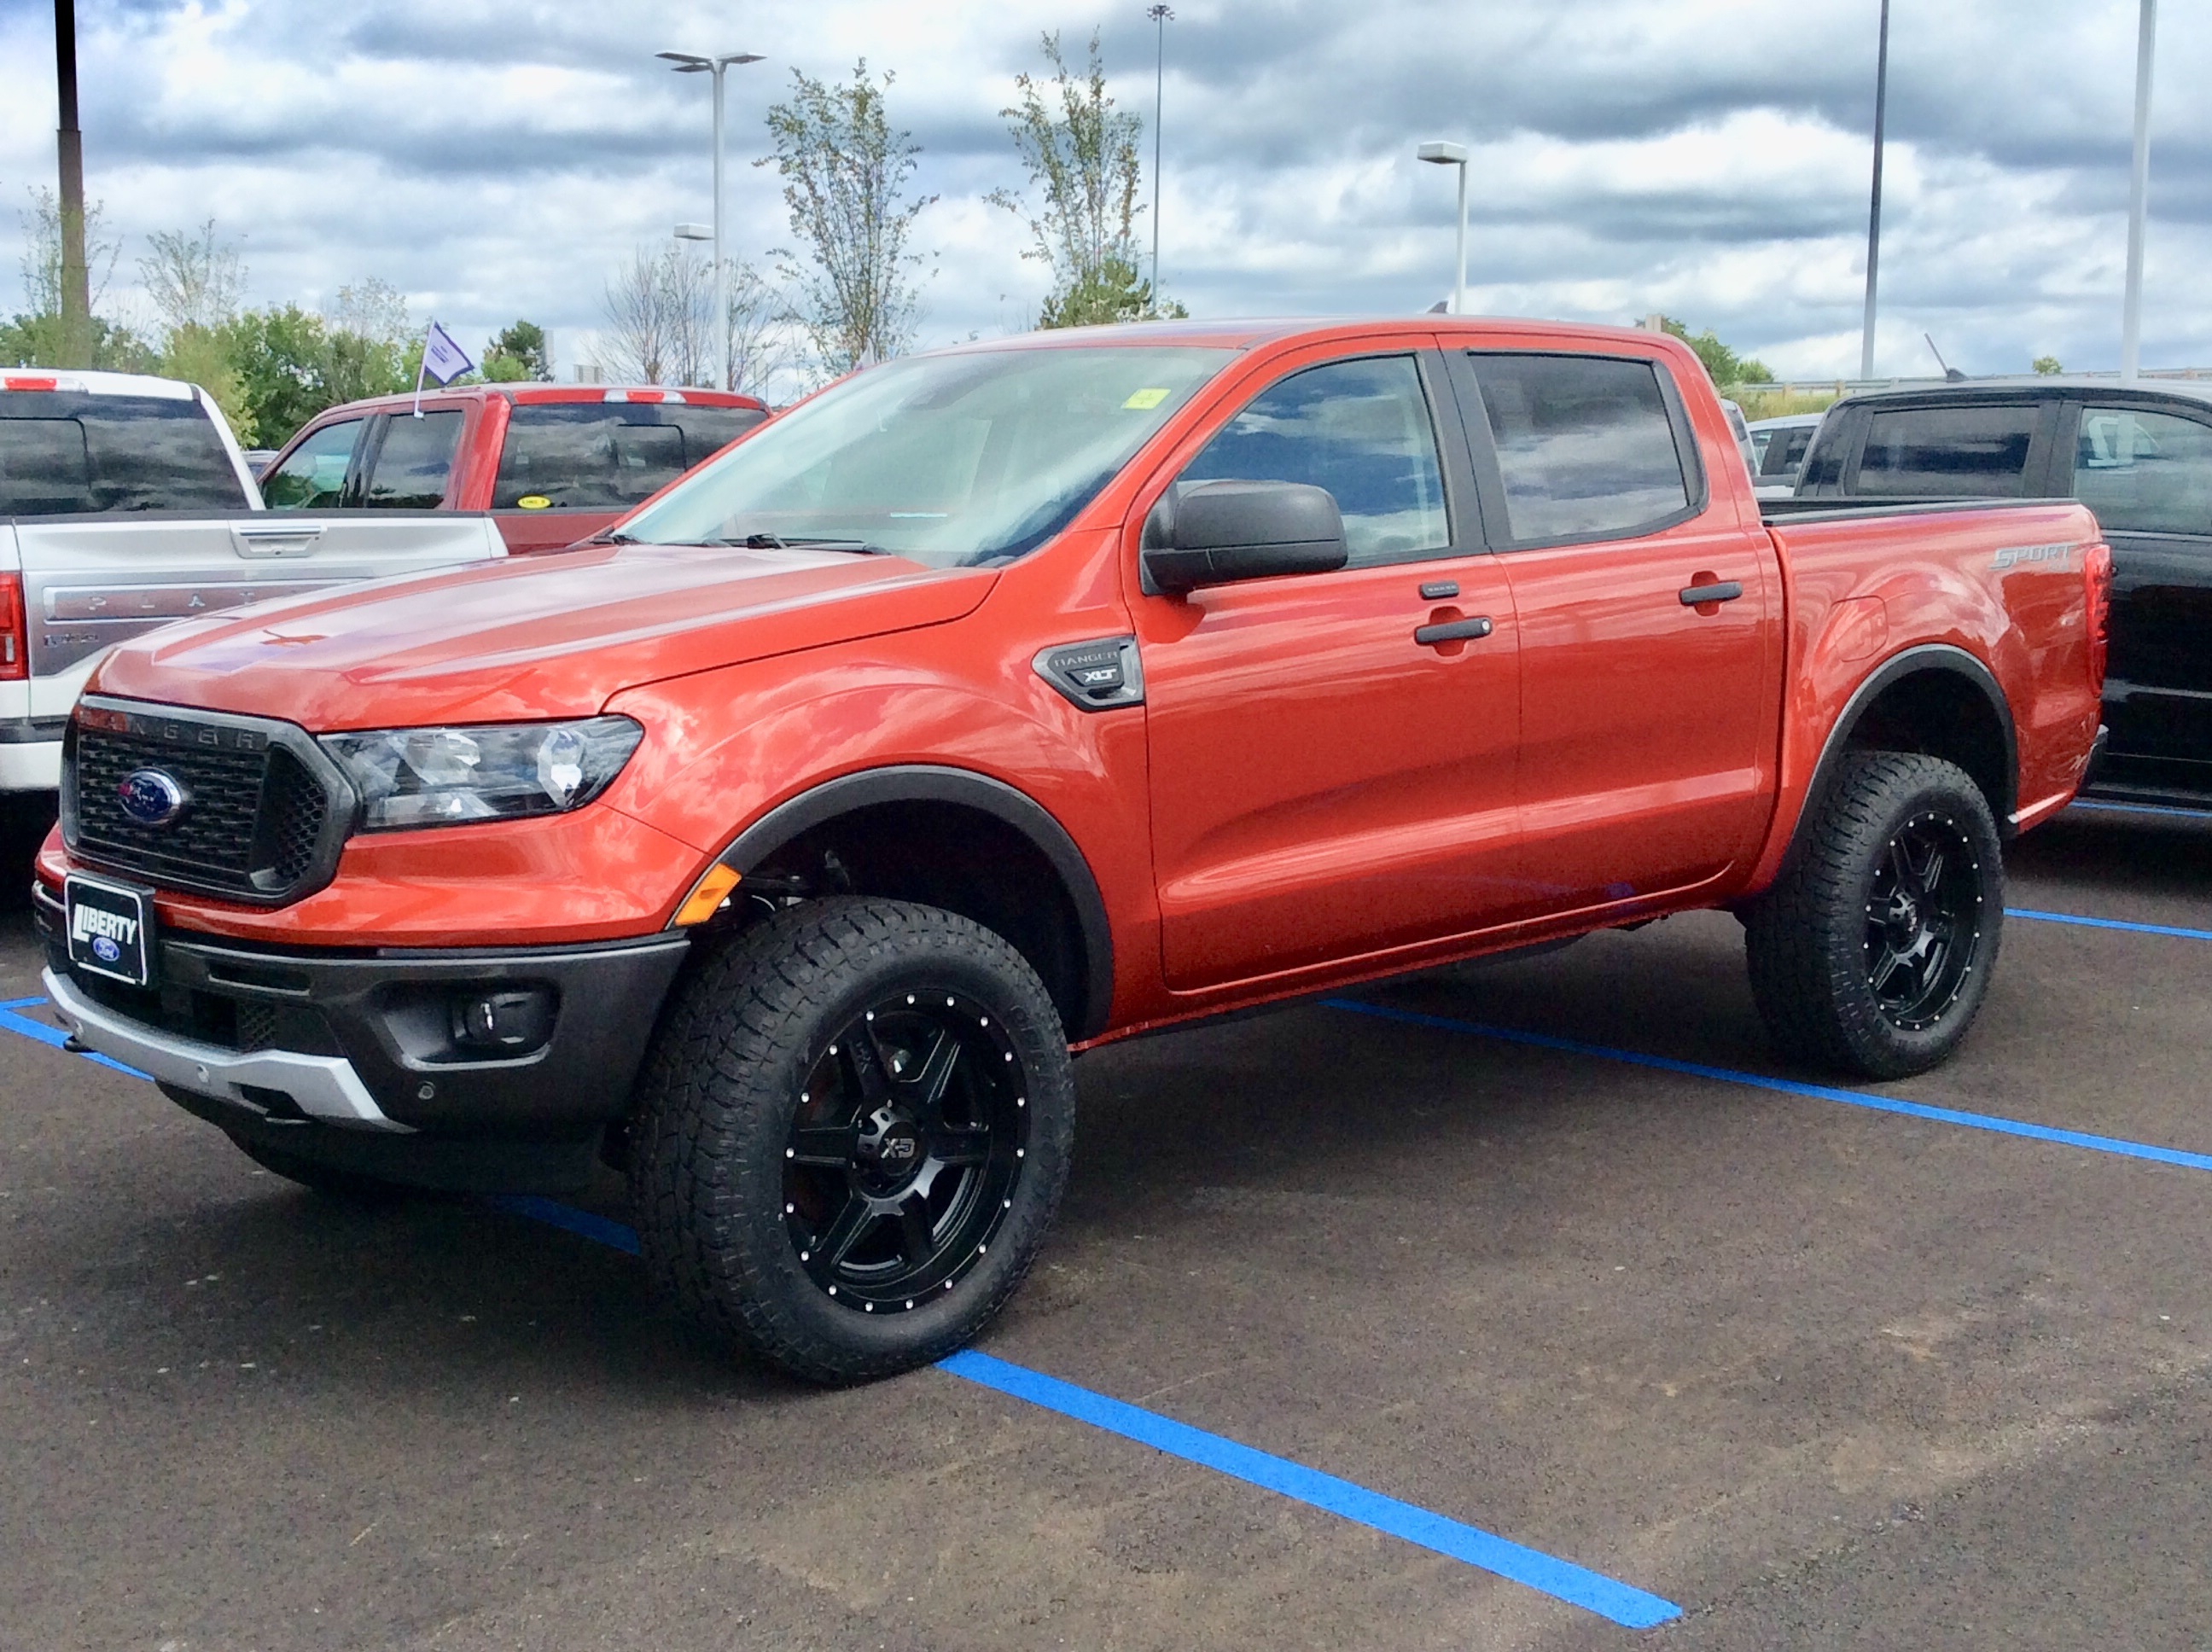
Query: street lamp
pixel 1161 16
pixel 687 63
pixel 1454 155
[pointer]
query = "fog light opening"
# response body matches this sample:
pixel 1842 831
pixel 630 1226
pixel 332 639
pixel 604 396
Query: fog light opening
pixel 505 1021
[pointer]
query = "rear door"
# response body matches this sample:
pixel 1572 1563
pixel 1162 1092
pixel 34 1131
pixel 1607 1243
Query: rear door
pixel 1325 784
pixel 1978 449
pixel 2146 472
pixel 1648 719
pixel 91 581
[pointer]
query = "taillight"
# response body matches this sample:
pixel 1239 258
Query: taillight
pixel 2097 581
pixel 14 634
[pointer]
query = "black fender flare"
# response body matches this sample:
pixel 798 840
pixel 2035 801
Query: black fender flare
pixel 1927 657
pixel 930 783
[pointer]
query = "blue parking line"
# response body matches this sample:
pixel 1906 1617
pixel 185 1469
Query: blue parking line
pixel 1787 1086
pixel 2110 923
pixel 12 1018
pixel 1562 1580
pixel 600 1230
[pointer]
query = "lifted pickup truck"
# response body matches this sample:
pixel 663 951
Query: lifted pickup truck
pixel 1035 694
pixel 124 504
pixel 553 464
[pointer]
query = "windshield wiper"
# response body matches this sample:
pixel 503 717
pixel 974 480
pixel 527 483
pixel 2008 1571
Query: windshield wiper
pixel 613 536
pixel 788 542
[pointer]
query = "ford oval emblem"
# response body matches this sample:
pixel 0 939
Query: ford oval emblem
pixel 151 797
pixel 105 949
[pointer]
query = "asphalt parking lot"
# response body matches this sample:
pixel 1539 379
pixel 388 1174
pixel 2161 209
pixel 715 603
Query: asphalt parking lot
pixel 1809 1372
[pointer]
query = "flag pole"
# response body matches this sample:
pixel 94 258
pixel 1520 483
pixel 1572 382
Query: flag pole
pixel 422 362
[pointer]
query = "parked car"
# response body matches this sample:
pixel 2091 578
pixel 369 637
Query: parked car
pixel 553 464
pixel 1778 448
pixel 2141 457
pixel 124 503
pixel 1035 693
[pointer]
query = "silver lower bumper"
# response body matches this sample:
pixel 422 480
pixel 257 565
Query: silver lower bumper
pixel 324 1087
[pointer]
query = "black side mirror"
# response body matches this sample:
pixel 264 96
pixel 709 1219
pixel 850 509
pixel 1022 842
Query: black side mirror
pixel 1213 532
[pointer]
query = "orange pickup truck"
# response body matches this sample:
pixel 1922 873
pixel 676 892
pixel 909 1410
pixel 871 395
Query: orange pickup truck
pixel 779 845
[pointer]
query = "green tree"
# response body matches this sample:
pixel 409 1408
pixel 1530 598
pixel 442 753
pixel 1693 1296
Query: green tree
pixel 196 284
pixel 2049 364
pixel 1725 366
pixel 846 171
pixel 517 353
pixel 293 364
pixel 1084 158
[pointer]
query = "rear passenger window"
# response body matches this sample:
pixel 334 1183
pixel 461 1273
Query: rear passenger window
pixel 607 455
pixel 67 452
pixel 1953 453
pixel 1585 445
pixel 414 461
pixel 2144 472
pixel 1360 430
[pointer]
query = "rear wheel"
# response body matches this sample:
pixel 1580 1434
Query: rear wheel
pixel 850 1137
pixel 1872 951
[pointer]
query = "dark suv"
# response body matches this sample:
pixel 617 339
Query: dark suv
pixel 2141 457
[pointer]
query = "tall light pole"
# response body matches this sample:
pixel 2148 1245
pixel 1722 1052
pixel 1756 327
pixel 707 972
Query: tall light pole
pixel 1454 155
pixel 2138 195
pixel 1873 209
pixel 1161 16
pixel 69 143
pixel 686 62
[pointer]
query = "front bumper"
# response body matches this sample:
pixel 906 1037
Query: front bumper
pixel 362 1039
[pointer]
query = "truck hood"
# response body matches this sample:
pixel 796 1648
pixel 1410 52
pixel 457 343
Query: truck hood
pixel 540 637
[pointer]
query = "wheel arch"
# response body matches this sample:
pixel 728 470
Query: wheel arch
pixel 1079 977
pixel 1939 699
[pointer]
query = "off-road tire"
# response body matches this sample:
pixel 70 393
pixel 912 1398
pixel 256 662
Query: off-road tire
pixel 724 1093
pixel 1815 942
pixel 324 1179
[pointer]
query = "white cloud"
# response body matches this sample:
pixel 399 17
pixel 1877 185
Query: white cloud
pixel 498 158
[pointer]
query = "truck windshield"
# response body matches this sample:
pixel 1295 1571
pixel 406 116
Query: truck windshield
pixel 67 452
pixel 956 461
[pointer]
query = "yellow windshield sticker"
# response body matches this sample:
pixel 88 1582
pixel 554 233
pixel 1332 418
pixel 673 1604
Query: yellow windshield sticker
pixel 1145 400
pixel 534 502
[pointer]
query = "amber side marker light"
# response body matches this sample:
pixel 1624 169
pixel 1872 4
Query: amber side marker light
pixel 705 897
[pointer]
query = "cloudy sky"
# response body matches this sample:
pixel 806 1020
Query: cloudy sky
pixel 498 158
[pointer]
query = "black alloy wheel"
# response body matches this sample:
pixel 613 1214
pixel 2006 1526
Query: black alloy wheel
pixel 1923 920
pixel 1873 951
pixel 909 1132
pixel 850 1135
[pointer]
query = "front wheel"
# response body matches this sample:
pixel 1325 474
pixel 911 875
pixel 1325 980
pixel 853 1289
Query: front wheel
pixel 850 1137
pixel 1872 951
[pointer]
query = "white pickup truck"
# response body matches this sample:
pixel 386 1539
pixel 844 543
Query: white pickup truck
pixel 125 504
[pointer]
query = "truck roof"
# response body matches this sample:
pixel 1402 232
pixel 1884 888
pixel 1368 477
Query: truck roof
pixel 2012 387
pixel 534 394
pixel 88 381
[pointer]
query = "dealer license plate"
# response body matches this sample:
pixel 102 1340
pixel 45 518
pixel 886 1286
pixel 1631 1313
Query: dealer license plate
pixel 110 928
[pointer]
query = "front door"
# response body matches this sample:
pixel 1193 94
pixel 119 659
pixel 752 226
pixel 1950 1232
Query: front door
pixel 1650 637
pixel 1324 784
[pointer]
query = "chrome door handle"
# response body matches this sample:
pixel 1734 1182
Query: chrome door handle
pixel 274 539
pixel 1453 631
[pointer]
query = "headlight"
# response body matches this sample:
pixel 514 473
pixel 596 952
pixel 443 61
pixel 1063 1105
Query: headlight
pixel 444 776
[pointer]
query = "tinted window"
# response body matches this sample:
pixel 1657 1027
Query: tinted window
pixel 313 474
pixel 1360 430
pixel 1584 444
pixel 2144 472
pixel 607 454
pixel 1785 451
pixel 68 452
pixel 414 462
pixel 1974 453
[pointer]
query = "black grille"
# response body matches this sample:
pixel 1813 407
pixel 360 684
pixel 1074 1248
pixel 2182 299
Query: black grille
pixel 256 820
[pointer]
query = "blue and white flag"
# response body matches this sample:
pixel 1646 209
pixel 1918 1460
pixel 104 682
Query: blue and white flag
pixel 442 359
